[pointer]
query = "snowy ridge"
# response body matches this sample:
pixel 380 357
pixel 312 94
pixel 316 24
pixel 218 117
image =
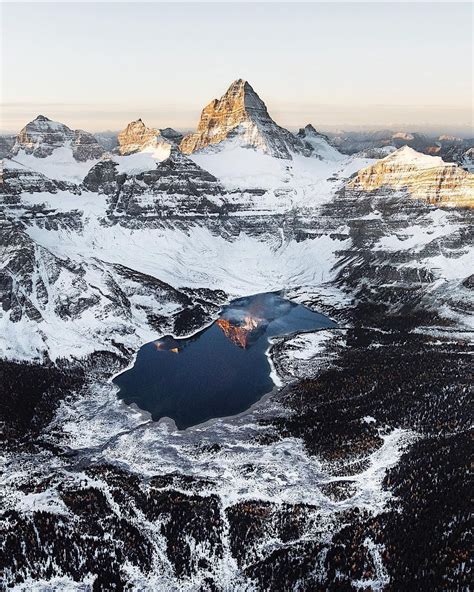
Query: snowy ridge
pixel 428 178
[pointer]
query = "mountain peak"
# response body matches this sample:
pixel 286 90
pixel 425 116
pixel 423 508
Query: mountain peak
pixel 423 177
pixel 137 137
pixel 309 129
pixel 240 85
pixel 318 143
pixel 241 115
pixel 406 155
pixel 41 118
pixel 243 96
pixel 42 136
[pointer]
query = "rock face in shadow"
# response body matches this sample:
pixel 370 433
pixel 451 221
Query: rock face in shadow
pixel 176 182
pixel 7 142
pixel 318 143
pixel 104 178
pixel 241 115
pixel 16 179
pixel 85 146
pixel 424 177
pixel 171 135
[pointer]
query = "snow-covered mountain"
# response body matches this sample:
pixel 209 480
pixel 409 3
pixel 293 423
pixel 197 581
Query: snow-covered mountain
pixel 241 115
pixel 232 192
pixel 319 144
pixel 449 148
pixel 315 486
pixel 42 137
pixel 55 150
pixel 424 177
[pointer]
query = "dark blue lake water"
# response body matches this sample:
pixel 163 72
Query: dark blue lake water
pixel 220 371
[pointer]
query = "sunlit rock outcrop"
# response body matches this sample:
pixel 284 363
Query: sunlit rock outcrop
pixel 424 177
pixel 137 137
pixel 240 114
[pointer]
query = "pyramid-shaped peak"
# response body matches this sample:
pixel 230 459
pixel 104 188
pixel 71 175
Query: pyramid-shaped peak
pixel 43 122
pixel 241 117
pixel 41 118
pixel 240 85
pixel 309 130
pixel 240 94
pixel 406 155
pixel 42 136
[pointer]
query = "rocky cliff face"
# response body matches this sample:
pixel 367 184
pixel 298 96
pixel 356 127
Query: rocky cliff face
pixel 6 144
pixel 462 156
pixel 86 147
pixel 41 137
pixel 177 184
pixel 171 135
pixel 424 177
pixel 137 137
pixel 467 159
pixel 16 179
pixel 241 114
pixel 38 287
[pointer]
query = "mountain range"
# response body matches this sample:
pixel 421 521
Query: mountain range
pixel 109 243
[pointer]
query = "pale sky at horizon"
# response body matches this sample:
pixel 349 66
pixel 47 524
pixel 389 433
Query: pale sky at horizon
pixel 97 66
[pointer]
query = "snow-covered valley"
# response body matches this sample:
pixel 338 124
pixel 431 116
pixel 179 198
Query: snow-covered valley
pixel 312 487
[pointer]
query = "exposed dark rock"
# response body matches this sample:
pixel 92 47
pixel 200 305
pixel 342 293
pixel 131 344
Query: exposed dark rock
pixel 16 179
pixel 7 142
pixel 171 135
pixel 41 137
pixel 104 178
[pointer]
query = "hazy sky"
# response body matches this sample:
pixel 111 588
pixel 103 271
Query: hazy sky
pixel 99 65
